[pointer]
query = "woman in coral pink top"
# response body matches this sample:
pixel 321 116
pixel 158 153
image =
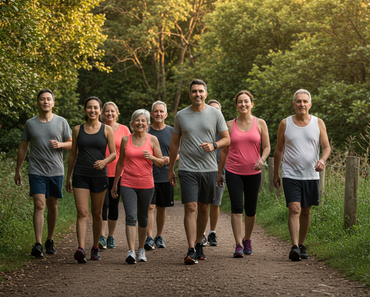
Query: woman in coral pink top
pixel 109 116
pixel 138 153
pixel 243 169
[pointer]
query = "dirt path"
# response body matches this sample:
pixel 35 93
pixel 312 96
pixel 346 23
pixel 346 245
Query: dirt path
pixel 266 273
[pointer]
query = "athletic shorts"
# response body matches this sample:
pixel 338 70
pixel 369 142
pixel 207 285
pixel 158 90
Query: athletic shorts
pixel 163 195
pixel 304 191
pixel 197 186
pixel 94 184
pixel 47 185
pixel 219 191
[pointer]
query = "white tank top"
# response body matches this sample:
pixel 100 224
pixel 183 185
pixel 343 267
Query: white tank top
pixel 301 150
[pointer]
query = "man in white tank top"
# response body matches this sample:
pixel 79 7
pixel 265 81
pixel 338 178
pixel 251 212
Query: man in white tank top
pixel 298 147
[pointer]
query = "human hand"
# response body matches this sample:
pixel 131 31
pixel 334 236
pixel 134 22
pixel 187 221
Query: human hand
pixel 100 164
pixel 55 144
pixel 276 181
pixel 17 179
pixel 259 165
pixel 147 155
pixel 172 178
pixel 69 186
pixel 113 192
pixel 166 160
pixel 220 180
pixel 320 165
pixel 207 147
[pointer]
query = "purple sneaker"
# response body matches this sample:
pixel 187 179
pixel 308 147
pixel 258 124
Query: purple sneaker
pixel 80 255
pixel 247 244
pixel 238 251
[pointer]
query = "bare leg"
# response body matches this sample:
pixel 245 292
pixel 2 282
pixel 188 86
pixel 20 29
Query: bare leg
pixel 237 225
pixel 150 220
pixel 190 222
pixel 249 225
pixel 131 236
pixel 82 205
pixel 214 212
pixel 52 205
pixel 103 228
pixel 97 200
pixel 304 221
pixel 38 215
pixel 202 220
pixel 142 236
pixel 293 221
pixel 111 227
pixel 161 219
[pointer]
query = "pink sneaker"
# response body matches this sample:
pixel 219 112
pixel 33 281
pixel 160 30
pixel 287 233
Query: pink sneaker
pixel 238 251
pixel 247 244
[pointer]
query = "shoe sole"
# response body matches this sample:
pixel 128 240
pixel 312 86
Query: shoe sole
pixel 304 257
pixel 111 247
pixel 190 261
pixel 95 258
pixel 238 255
pixel 142 260
pixel 148 247
pixel 36 253
pixel 80 257
pixel 51 252
pixel 130 260
pixel 213 244
pixel 159 246
pixel 248 253
pixel 102 247
pixel 294 257
pixel 202 258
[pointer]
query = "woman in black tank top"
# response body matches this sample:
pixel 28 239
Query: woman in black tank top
pixel 87 161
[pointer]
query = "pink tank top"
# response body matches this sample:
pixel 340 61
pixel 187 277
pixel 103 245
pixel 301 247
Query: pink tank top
pixel 118 134
pixel 244 150
pixel 137 171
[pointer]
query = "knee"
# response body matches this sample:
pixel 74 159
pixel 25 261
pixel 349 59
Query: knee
pixel 143 221
pixel 294 210
pixel 131 219
pixel 82 213
pixel 306 212
pixel 39 206
pixel 161 210
pixel 96 213
pixel 152 207
pixel 190 207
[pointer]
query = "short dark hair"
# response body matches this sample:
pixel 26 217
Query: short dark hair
pixel 45 91
pixel 197 82
pixel 92 98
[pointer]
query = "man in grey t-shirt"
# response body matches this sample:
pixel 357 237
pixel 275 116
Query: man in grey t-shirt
pixel 48 135
pixel 196 128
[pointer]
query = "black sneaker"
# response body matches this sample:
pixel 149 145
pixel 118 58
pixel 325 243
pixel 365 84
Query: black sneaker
pixel 212 239
pixel 49 247
pixel 204 240
pixel 191 257
pixel 37 250
pixel 303 250
pixel 200 254
pixel 295 253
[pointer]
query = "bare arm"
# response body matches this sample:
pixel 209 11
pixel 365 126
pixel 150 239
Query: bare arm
pixel 265 144
pixel 21 155
pixel 157 159
pixel 223 156
pixel 72 158
pixel 174 150
pixel 223 142
pixel 278 153
pixel 100 164
pixel 67 145
pixel 119 166
pixel 325 145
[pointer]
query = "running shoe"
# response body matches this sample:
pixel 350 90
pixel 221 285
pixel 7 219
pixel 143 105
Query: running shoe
pixel 159 242
pixel 238 251
pixel 37 250
pixel 95 254
pixel 80 255
pixel 141 255
pixel 247 247
pixel 110 243
pixel 212 239
pixel 191 257
pixel 102 242
pixel 295 253
pixel 49 247
pixel 303 250
pixel 204 240
pixel 131 257
pixel 149 244
pixel 200 254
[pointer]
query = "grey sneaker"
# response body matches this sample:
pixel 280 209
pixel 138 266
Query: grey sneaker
pixel 149 244
pixel 159 242
pixel 131 257
pixel 110 243
pixel 212 239
pixel 37 250
pixel 141 255
pixel 303 250
pixel 49 247
pixel 204 240
pixel 102 242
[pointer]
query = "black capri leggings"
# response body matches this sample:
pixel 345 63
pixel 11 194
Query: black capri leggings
pixel 249 184
pixel 111 203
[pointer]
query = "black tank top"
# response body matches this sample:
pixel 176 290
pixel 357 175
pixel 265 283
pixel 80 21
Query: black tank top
pixel 91 147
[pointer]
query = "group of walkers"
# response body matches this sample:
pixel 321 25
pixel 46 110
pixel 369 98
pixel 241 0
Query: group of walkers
pixel 107 162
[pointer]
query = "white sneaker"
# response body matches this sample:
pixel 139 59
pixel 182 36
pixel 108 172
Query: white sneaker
pixel 141 255
pixel 131 257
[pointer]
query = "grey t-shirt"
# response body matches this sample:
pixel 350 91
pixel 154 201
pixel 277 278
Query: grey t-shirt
pixel 196 128
pixel 44 160
pixel 164 137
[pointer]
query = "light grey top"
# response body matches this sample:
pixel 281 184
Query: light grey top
pixel 301 150
pixel 196 128
pixel 44 160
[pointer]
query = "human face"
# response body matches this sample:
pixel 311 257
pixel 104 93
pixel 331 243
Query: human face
pixel 244 104
pixel 198 95
pixel 140 124
pixel 302 104
pixel 93 110
pixel 215 105
pixel 159 113
pixel 110 114
pixel 45 102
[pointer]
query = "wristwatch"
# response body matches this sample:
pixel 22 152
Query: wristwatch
pixel 215 145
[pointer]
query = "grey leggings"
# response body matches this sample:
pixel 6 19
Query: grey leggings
pixel 136 203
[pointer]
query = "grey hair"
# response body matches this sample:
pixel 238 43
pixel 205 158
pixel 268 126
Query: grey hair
pixel 214 101
pixel 160 102
pixel 302 91
pixel 138 113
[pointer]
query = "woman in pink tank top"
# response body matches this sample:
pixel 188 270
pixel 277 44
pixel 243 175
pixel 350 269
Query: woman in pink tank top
pixel 138 153
pixel 243 169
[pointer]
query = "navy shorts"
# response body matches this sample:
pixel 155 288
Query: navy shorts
pixel 94 184
pixel 163 195
pixel 47 185
pixel 304 191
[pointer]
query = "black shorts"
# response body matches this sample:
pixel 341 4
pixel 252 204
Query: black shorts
pixel 94 184
pixel 163 195
pixel 304 191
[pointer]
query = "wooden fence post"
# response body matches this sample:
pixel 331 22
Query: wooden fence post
pixel 322 186
pixel 351 189
pixel 271 174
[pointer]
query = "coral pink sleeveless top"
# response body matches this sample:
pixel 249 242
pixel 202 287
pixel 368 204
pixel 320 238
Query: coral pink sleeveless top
pixel 118 134
pixel 137 171
pixel 244 150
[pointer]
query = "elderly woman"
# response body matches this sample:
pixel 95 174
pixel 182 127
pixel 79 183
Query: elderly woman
pixel 138 153
pixel 109 116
